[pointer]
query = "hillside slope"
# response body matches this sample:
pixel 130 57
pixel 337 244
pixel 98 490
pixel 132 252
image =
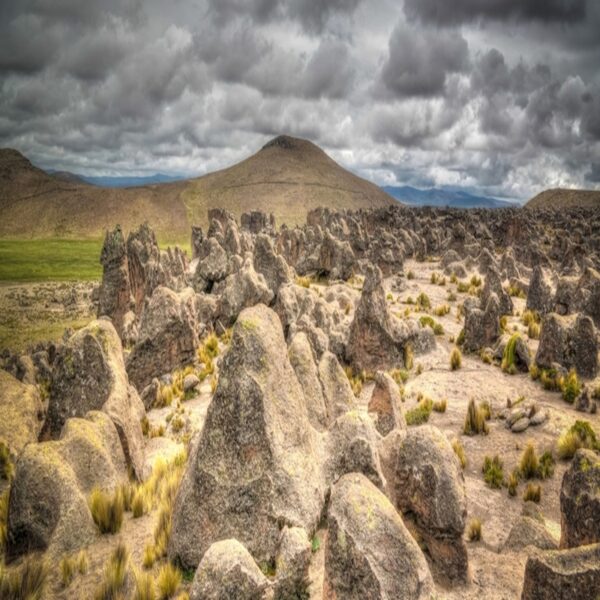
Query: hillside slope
pixel 564 198
pixel 287 177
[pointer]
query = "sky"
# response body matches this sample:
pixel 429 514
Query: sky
pixel 500 97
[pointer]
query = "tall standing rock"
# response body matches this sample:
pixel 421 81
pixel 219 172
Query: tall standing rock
pixel 580 501
pixel 90 374
pixel 377 339
pixel 369 552
pixel 256 465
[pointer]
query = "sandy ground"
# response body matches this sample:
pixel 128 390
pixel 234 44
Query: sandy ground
pixel 496 574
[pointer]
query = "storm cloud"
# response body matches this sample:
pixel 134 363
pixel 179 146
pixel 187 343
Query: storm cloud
pixel 497 96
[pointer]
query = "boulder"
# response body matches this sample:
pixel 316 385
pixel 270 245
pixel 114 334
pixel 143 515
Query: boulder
pixel 580 501
pixel 369 552
pixel 336 258
pixel 20 413
pixel 48 503
pixel 292 565
pixel 227 572
pixel 168 336
pixel 90 374
pixel 303 362
pixel 240 290
pixel 482 327
pixel 385 404
pixel 257 461
pixel 353 448
pixel 570 341
pixel 377 339
pixel 529 532
pixel 428 483
pixel 563 574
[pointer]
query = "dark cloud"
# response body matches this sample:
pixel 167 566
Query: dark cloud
pixel 443 12
pixel 501 97
pixel 419 61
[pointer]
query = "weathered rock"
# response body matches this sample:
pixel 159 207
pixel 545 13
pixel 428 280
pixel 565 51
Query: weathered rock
pixel 257 222
pixel 377 339
pixel 214 264
pixel 256 464
pixel 529 532
pixel 493 285
pixel 482 327
pixel 520 425
pixel 228 572
pixel 20 413
pixel 48 504
pixel 90 375
pixel 336 258
pixel 563 574
pixel 370 553
pixel 353 448
pixel 337 392
pixel 541 292
pixel 303 362
pixel 271 265
pixel 386 404
pixel 190 382
pixel 241 290
pixel 569 341
pixel 580 501
pixel 168 336
pixel 292 565
pixel 428 483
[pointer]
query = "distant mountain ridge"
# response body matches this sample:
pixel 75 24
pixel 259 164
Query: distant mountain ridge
pixel 437 197
pixel 287 177
pixel 118 181
pixel 565 198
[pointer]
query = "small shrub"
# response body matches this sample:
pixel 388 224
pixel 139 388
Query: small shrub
pixel 423 300
pixel 459 450
pixel 114 575
pixel 168 580
pixel 389 297
pixel 529 317
pixel 419 414
pixel 451 297
pixel 475 281
pixel 139 503
pixel 475 420
pixel 546 465
pixel 529 463
pixel 550 380
pixel 455 359
pixel 409 300
pixel 534 372
pixel 6 465
pixel 434 278
pixel 67 568
pixel 409 356
pixel 149 556
pixel 570 387
pixel 441 311
pixel 486 357
pixel 533 331
pixel 513 482
pixel 145 423
pixel 82 562
pixel 107 511
pixel 509 355
pixel 503 322
pixel 177 423
pixel 493 473
pixel 419 369
pixel 533 492
pixel 460 340
pixel 144 586
pixel 303 281
pixel 440 405
pixel 28 582
pixel 315 544
pixel 410 275
pixel 580 435
pixel 474 530
pixel 400 376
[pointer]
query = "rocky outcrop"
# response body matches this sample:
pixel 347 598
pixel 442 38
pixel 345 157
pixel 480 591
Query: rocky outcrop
pixel 541 293
pixel 337 392
pixel 271 265
pixel 427 482
pixel 385 404
pixel 377 339
pixel 370 553
pixel 569 341
pixel 48 504
pixel 168 337
pixel 482 327
pixel 580 501
pixel 20 413
pixel 336 258
pixel 90 374
pixel 493 285
pixel 256 464
pixel 561 574
pixel 228 571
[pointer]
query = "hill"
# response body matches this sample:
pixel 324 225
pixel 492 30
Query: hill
pixel 441 197
pixel 119 182
pixel 287 177
pixel 565 198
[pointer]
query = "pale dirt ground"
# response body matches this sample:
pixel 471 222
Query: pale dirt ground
pixel 495 574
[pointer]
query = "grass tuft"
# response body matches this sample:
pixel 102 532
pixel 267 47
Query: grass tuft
pixel 145 588
pixel 419 414
pixel 529 463
pixel 474 530
pixel 579 435
pixel 493 473
pixel 115 573
pixel 459 450
pixel 28 582
pixel 533 492
pixel 107 511
pixel 168 581
pixel 440 405
pixel 475 421
pixel 455 359
pixel 570 387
